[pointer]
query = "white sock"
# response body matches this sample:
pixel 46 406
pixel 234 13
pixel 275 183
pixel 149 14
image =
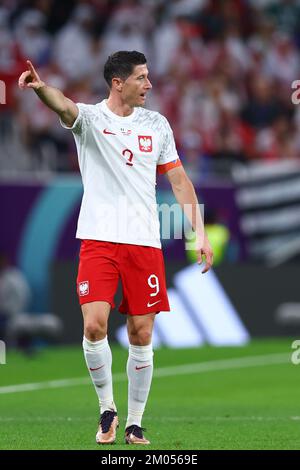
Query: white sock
pixel 98 359
pixel 139 371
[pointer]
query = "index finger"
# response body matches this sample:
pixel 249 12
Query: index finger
pixel 31 67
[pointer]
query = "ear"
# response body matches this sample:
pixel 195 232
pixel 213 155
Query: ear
pixel 117 83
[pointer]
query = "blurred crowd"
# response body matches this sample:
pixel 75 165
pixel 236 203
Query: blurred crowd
pixel 222 73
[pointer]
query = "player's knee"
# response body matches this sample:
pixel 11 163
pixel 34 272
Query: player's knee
pixel 95 331
pixel 141 337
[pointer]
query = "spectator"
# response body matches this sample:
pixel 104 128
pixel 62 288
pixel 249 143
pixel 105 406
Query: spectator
pixel 73 46
pixel 264 107
pixel 32 40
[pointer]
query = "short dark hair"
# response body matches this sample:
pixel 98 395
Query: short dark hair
pixel 121 64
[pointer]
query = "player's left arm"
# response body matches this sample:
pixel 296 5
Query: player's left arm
pixel 185 194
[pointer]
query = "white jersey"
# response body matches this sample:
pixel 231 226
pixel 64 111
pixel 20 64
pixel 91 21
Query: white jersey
pixel 118 159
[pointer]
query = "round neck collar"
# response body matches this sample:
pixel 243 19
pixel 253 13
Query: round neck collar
pixel 116 116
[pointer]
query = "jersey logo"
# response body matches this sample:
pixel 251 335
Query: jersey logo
pixel 83 288
pixel 106 131
pixel 151 305
pixel 125 131
pixel 145 143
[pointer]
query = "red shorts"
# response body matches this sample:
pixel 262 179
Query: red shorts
pixel 141 269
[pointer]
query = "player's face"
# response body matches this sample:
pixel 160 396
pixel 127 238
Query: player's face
pixel 136 86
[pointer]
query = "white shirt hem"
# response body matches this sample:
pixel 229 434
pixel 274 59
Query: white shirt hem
pixel 154 244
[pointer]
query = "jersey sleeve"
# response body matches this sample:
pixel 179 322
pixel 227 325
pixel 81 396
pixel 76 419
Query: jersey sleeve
pixel 168 157
pixel 81 122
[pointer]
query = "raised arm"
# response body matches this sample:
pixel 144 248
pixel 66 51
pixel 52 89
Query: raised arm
pixel 52 97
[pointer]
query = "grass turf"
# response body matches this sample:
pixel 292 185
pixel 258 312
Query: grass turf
pixel 254 407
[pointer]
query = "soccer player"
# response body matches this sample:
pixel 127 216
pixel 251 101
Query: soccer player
pixel 120 147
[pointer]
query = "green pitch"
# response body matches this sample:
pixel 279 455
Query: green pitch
pixel 204 398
